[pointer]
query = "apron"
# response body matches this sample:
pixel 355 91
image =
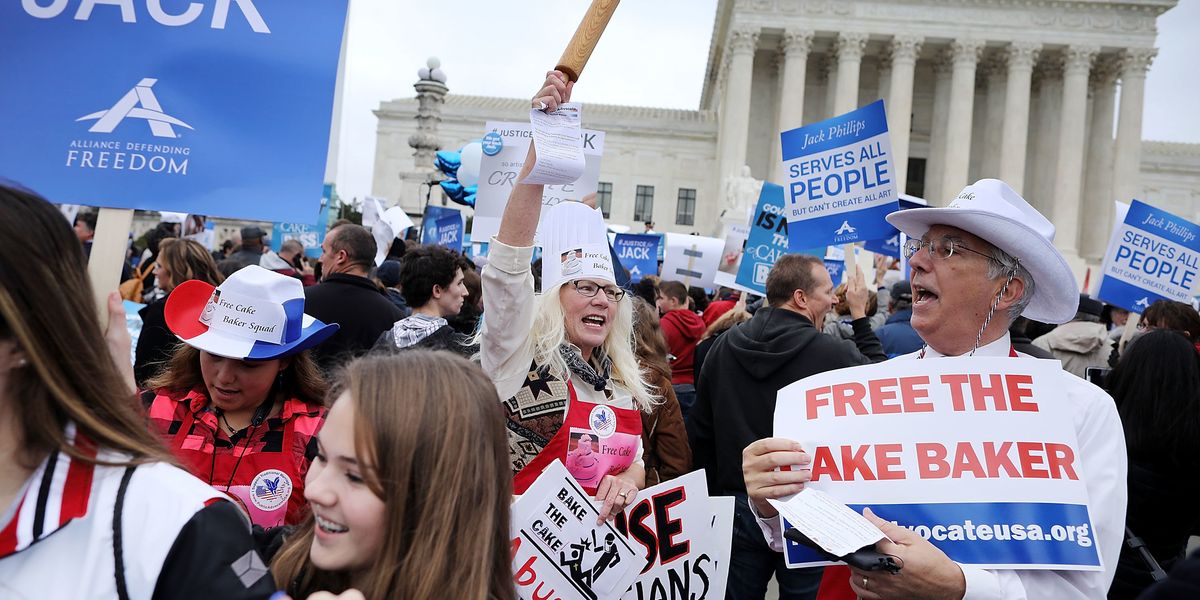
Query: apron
pixel 595 440
pixel 266 484
pixel 835 582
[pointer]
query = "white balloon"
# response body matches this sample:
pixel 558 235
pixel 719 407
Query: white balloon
pixel 468 170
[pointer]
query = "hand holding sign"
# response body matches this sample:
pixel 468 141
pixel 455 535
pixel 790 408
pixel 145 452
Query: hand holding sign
pixel 927 572
pixel 768 466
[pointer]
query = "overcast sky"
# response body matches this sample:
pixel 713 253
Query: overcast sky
pixel 492 48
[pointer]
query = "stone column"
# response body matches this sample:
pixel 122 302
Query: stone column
pixel 1068 178
pixel 793 72
pixel 1097 195
pixel 996 75
pixel 965 54
pixel 829 68
pixel 431 95
pixel 849 51
pixel 899 102
pixel 1020 58
pixel 735 115
pixel 1040 191
pixel 942 71
pixel 1127 155
pixel 884 70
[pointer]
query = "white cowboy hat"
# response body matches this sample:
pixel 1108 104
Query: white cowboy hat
pixel 992 210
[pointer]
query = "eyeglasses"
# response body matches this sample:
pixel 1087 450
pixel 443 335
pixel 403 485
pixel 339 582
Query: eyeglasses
pixel 943 248
pixel 588 289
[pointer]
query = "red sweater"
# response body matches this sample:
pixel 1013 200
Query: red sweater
pixel 682 328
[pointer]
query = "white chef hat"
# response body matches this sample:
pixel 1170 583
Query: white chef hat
pixel 575 246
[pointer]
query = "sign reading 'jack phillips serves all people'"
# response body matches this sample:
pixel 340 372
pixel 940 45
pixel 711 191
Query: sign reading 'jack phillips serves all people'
pixel 840 180
pixel 1152 255
pixel 216 108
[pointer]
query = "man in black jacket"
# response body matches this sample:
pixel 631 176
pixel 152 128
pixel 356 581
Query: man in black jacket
pixel 735 403
pixel 347 297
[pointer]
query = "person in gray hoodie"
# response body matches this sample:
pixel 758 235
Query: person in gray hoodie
pixel 1081 343
pixel 735 404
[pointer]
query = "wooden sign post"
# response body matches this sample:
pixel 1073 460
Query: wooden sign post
pixel 108 253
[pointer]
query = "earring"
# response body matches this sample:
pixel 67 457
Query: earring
pixel 21 363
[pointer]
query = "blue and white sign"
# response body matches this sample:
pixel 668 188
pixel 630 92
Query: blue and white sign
pixel 312 235
pixel 214 108
pixel 492 143
pixel 891 245
pixel 433 214
pixel 1153 255
pixel 768 240
pixel 835 263
pixel 638 253
pixel 450 232
pixel 840 179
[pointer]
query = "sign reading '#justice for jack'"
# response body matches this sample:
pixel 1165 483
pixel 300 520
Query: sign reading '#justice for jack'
pixel 213 108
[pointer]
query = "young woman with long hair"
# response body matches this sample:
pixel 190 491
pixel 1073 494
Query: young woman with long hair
pixel 241 399
pixel 91 503
pixel 563 360
pixel 179 260
pixel 667 453
pixel 1157 390
pixel 410 490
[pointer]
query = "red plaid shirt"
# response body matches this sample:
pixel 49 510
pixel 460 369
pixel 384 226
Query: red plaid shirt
pixel 170 410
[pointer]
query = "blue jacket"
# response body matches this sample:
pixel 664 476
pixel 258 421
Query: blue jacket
pixel 898 336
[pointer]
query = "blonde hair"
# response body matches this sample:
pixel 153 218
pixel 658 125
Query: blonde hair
pixel 446 490
pixel 549 332
pixel 187 259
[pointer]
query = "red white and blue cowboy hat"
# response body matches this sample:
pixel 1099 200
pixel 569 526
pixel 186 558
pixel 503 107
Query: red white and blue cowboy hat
pixel 256 314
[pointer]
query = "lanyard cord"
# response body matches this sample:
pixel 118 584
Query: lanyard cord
pixel 260 415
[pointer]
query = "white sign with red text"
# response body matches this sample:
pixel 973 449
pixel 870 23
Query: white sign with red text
pixel 977 455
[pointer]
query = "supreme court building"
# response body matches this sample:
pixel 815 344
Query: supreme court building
pixel 1046 95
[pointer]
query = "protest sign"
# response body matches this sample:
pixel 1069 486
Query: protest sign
pixel 312 235
pixel 559 551
pixel 1153 255
pixel 840 178
pixel 429 234
pixel 731 257
pixel 767 240
pixel 691 259
pixel 892 244
pixel 449 231
pixel 835 263
pixel 638 253
pixel 977 455
pixel 683 539
pixel 124 104
pixel 502 162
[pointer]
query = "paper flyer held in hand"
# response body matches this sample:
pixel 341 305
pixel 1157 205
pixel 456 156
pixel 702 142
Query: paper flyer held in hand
pixel 556 138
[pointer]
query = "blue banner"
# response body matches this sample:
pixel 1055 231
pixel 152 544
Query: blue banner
pixel 840 179
pixel 1154 255
pixel 215 108
pixel 433 214
pixel 991 533
pixel 450 232
pixel 638 253
pixel 891 245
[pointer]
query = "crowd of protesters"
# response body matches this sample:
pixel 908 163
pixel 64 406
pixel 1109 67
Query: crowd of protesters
pixel 367 433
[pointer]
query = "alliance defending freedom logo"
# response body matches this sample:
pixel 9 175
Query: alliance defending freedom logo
pixel 138 103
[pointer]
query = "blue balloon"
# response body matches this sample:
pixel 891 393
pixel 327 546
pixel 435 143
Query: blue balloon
pixel 448 162
pixel 453 189
pixel 466 200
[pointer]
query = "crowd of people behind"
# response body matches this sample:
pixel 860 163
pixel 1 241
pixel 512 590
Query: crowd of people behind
pixel 361 428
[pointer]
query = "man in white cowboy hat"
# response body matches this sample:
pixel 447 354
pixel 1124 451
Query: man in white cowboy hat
pixel 977 265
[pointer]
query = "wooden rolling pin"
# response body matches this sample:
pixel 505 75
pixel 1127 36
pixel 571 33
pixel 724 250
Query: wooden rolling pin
pixel 575 57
